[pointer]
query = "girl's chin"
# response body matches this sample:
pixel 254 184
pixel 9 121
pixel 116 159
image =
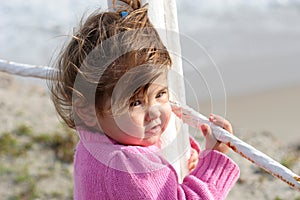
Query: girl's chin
pixel 153 140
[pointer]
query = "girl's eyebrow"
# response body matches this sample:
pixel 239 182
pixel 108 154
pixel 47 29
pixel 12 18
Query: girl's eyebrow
pixel 162 89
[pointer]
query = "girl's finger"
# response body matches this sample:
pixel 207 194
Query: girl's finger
pixel 220 121
pixel 191 166
pixel 210 139
pixel 193 161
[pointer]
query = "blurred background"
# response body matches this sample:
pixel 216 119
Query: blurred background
pixel 241 61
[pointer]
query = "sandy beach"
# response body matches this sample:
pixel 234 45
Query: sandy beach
pixel 268 121
pixel 264 126
pixel 275 111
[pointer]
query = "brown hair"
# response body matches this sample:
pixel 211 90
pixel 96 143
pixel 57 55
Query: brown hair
pixel 105 47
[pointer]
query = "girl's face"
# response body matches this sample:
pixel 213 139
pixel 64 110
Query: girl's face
pixel 144 122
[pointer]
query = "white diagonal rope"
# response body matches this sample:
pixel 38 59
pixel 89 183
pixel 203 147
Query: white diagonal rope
pixel 189 116
pixel 25 69
pixel 195 119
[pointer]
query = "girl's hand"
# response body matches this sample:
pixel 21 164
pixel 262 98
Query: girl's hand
pixel 193 161
pixel 211 142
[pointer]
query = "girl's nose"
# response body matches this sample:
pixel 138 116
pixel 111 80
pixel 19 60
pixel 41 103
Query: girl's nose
pixel 152 113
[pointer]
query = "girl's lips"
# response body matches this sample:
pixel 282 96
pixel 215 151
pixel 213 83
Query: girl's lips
pixel 154 130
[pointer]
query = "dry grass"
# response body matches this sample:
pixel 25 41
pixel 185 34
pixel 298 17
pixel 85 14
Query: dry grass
pixel 33 158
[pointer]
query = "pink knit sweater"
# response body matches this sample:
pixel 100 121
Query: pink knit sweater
pixel 105 169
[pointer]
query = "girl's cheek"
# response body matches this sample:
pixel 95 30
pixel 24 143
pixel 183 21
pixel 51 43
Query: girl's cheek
pixel 137 118
pixel 168 108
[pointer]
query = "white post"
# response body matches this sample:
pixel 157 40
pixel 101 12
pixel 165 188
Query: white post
pixel 163 15
pixel 175 140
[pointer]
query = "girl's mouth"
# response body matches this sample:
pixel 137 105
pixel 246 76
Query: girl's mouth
pixel 154 130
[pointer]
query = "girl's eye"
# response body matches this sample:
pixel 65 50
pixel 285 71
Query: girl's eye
pixel 135 103
pixel 161 94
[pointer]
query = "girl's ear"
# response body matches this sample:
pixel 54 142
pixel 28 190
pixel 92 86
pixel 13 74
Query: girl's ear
pixel 86 112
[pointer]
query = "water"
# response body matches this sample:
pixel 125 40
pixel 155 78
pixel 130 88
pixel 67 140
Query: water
pixel 253 45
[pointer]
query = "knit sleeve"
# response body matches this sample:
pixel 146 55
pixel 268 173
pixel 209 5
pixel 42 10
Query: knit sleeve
pixel 212 179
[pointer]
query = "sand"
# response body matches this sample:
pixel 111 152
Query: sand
pixel 267 120
pixel 25 103
pixel 275 111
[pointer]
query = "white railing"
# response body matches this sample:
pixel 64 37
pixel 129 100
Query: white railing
pixel 25 69
pixel 187 114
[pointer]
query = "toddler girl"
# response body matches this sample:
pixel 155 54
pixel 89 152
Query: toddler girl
pixel 112 88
